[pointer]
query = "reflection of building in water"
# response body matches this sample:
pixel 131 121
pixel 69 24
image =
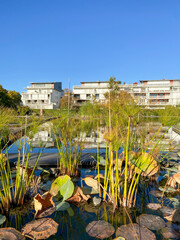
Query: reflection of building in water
pixel 169 137
pixel 43 138
pixel 90 140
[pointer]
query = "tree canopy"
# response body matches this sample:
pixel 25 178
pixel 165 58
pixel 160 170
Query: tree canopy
pixel 10 99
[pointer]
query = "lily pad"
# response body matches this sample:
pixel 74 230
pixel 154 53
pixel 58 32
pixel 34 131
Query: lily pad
pixel 175 202
pixel 166 211
pixel 167 189
pixel 10 233
pixel 40 229
pixel 156 193
pixel 154 206
pixel 100 229
pixel 134 232
pixel 169 233
pixel 63 186
pixel 2 219
pixel 150 221
pixel 175 217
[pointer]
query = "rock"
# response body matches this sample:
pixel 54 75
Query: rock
pixel 100 229
pixel 10 233
pixel 175 217
pixel 134 232
pixel 40 229
pixel 150 221
pixel 169 233
pixel 154 206
pixel 166 211
pixel 96 201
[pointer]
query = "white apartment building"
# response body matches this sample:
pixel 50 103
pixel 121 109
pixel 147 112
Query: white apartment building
pixel 150 93
pixel 43 95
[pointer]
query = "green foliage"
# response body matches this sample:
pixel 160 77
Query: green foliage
pixel 24 110
pixel 63 187
pixel 9 98
pixel 169 116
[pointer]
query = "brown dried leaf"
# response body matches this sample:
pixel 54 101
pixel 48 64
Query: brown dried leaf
pixel 177 177
pixel 92 183
pixel 43 205
pixel 79 196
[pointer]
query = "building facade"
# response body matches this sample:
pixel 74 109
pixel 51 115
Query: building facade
pixel 43 95
pixel 149 93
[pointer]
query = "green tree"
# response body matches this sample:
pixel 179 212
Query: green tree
pixel 4 99
pixel 14 99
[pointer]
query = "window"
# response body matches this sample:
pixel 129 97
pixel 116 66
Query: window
pixel 97 96
pixel 88 96
pixel 77 96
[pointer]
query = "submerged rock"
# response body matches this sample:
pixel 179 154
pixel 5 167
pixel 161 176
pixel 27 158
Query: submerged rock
pixel 135 231
pixel 154 206
pixel 150 221
pixel 40 229
pixel 10 233
pixel 100 229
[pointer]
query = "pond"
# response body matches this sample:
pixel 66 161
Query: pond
pixel 73 222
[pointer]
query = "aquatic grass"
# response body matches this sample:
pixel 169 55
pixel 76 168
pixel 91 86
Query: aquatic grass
pixel 14 191
pixel 69 146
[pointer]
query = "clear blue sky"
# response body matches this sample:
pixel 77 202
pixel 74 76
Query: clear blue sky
pixel 88 40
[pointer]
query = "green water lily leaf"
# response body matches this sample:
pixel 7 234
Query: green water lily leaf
pixel 143 162
pixel 175 202
pixel 172 169
pixel 63 187
pixel 2 219
pixel 62 206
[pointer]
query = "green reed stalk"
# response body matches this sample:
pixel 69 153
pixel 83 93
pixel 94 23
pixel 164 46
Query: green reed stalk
pixel 106 174
pixel 117 180
pixel 98 160
pixel 126 166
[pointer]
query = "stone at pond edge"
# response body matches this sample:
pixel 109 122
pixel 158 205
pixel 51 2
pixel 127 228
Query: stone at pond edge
pixel 154 206
pixel 40 229
pixel 96 201
pixel 168 232
pixel 100 229
pixel 134 232
pixel 150 221
pixel 10 233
